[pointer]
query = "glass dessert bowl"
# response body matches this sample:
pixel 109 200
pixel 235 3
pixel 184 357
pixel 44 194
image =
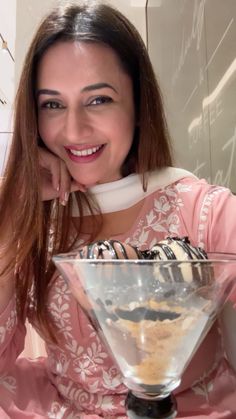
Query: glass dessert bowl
pixel 152 315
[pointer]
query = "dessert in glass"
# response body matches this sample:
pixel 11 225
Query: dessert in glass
pixel 152 309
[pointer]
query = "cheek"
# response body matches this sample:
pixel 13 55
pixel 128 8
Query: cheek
pixel 127 131
pixel 42 127
pixel 46 131
pixel 123 143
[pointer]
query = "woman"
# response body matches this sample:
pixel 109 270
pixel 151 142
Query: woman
pixel 91 159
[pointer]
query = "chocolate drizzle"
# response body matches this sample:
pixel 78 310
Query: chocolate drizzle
pixel 165 250
pixel 165 247
pixel 117 250
pixel 114 248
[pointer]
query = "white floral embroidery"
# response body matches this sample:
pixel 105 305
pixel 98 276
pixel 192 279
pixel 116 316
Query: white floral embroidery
pixel 62 292
pixel 203 386
pixel 87 363
pixel 85 360
pixel 7 328
pixel 8 382
pixel 83 368
pixel 162 219
pixel 74 347
pixel 150 217
pixel 204 212
pixel 80 397
pixel 2 334
pixel 111 378
pixel 92 332
pixel 62 364
pixel 143 237
pixel 60 313
pixel 203 389
pixel 173 223
pixel 57 411
pixel 162 205
pixel 11 321
pixel 105 403
pixel 182 187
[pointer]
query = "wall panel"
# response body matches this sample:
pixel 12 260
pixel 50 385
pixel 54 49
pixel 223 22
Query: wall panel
pixel 193 49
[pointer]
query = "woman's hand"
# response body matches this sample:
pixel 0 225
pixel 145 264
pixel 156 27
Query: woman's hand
pixel 55 178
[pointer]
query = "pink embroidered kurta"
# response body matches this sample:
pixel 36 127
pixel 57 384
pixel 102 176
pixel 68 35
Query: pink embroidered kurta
pixel 78 379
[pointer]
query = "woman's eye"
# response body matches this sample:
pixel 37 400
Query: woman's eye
pixel 100 100
pixel 51 105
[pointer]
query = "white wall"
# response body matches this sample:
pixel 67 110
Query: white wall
pixel 193 49
pixel 30 13
pixel 7 73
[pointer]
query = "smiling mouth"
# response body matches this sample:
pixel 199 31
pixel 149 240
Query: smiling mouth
pixel 85 152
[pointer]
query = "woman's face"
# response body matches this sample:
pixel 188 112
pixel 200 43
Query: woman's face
pixel 86 110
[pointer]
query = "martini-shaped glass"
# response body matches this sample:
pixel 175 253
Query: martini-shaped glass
pixel 152 315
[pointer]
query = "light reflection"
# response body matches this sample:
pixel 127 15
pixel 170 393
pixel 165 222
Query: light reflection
pixel 212 97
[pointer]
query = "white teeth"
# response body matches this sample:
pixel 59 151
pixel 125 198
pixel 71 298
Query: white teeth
pixel 87 152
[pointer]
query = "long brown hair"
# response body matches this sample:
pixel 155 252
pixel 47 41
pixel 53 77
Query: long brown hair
pixel 41 229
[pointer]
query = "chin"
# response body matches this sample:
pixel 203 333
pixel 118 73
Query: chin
pixel 88 181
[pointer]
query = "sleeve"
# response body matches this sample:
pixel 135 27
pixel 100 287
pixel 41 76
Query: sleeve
pixel 221 237
pixel 221 228
pixel 221 231
pixel 208 217
pixel 12 336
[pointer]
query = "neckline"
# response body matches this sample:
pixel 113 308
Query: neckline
pixel 114 186
pixel 128 191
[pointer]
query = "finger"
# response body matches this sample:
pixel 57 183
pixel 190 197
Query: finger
pixel 75 186
pixel 51 164
pixel 55 172
pixel 55 175
pixel 65 184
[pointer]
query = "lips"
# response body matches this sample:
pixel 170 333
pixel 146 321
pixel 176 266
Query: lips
pixel 84 155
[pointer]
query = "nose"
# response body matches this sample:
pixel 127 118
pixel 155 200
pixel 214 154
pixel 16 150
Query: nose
pixel 77 126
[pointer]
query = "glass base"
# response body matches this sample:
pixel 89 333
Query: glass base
pixel 137 408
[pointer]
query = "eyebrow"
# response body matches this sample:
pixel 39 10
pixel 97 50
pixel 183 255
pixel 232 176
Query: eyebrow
pixel 46 92
pixel 98 86
pixel 88 88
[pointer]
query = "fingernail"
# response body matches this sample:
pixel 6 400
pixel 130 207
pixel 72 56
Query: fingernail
pixel 58 188
pixel 65 200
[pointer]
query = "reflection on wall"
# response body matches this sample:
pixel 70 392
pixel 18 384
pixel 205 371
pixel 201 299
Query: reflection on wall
pixel 193 49
pixel 7 70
